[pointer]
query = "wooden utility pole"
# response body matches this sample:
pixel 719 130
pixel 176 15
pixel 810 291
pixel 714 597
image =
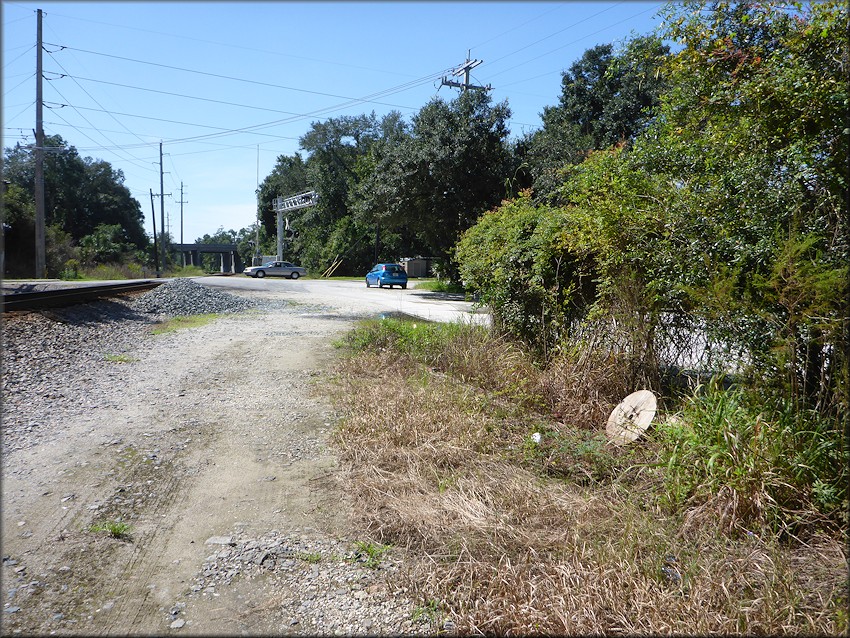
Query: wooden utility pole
pixel 161 209
pixel 40 251
pixel 182 254
pixel 155 251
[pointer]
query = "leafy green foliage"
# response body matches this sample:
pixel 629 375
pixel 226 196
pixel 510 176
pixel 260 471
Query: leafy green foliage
pixel 371 554
pixel 607 98
pixel 720 234
pixel 81 195
pixel 440 178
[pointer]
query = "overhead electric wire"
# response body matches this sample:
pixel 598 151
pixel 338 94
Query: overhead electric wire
pixel 184 37
pixel 318 112
pixel 226 77
pixel 552 35
pixel 159 119
pixel 26 108
pixel 29 77
pixel 101 106
pixel 183 95
pixel 515 28
pixel 90 124
pixel 563 46
pixel 30 47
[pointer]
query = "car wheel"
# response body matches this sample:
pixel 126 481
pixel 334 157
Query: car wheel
pixel 380 284
pixel 404 286
pixel 261 273
pixel 294 275
pixel 368 285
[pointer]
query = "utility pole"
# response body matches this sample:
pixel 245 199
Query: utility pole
pixel 182 253
pixel 40 251
pixel 155 251
pixel 162 194
pixel 464 70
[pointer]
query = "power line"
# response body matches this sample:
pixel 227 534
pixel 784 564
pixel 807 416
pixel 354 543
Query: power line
pixel 101 106
pixel 225 77
pixel 515 28
pixel 160 119
pixel 30 47
pixel 563 46
pixel 183 95
pixel 229 45
pixel 92 125
pixel 552 35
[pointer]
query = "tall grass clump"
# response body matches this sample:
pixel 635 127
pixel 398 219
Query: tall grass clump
pixel 472 353
pixel 755 464
pixel 115 271
pixel 519 517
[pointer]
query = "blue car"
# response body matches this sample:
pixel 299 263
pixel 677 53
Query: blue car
pixel 386 275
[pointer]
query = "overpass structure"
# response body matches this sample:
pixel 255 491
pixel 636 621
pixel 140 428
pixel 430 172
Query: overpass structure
pixel 229 259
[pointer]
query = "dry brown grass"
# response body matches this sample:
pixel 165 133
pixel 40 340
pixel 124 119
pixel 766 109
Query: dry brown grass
pixel 439 462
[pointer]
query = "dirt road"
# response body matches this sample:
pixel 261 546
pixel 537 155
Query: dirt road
pixel 211 444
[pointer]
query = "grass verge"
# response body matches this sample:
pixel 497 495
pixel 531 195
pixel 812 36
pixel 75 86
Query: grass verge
pixel 519 517
pixel 180 322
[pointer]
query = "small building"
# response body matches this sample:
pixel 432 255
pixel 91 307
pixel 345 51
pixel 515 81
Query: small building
pixel 417 266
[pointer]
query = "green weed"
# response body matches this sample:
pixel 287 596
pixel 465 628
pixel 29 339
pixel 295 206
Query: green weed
pixel 369 553
pixel 309 557
pixel 115 529
pixel 120 358
pixel 760 463
pixel 429 611
pixel 180 322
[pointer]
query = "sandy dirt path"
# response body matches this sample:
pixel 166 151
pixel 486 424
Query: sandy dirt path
pixel 213 432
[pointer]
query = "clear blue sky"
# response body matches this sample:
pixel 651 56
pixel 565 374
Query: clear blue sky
pixel 227 87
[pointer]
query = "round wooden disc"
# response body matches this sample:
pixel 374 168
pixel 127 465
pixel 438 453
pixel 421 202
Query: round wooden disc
pixel 631 417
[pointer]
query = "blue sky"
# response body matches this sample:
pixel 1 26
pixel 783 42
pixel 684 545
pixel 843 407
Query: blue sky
pixel 228 87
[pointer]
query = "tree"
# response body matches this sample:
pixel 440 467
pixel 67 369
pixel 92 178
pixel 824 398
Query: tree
pixel 80 194
pixel 727 217
pixel 607 97
pixel 753 133
pixel 437 181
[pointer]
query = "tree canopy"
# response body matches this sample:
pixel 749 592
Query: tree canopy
pixel 81 195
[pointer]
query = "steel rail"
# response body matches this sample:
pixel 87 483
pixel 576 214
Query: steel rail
pixel 71 296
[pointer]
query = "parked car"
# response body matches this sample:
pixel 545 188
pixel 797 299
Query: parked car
pixel 276 269
pixel 386 275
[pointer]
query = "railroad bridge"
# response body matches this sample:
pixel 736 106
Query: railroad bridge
pixel 229 258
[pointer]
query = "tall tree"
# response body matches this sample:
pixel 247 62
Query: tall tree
pixel 451 168
pixel 607 97
pixel 81 194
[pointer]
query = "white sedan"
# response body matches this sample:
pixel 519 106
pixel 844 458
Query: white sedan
pixel 276 269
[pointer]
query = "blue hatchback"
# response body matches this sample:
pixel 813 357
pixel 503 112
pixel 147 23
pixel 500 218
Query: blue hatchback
pixel 386 275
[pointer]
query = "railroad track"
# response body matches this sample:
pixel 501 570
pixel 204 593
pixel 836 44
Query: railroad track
pixel 71 296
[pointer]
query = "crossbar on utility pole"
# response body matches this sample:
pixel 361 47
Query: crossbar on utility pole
pixel 464 70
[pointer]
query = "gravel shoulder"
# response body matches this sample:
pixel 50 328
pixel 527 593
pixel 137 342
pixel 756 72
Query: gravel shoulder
pixel 212 444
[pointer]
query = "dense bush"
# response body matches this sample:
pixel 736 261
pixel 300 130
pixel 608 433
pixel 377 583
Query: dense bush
pixel 719 238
